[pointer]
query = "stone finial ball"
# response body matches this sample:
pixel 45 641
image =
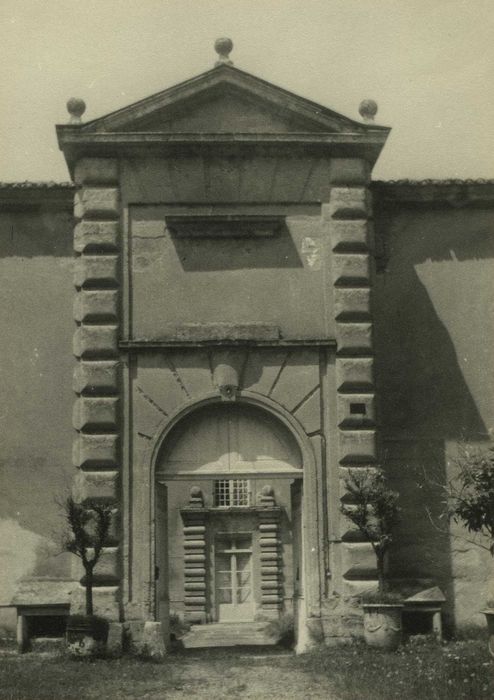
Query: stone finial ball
pixel 195 492
pixel 267 490
pixel 368 109
pixel 223 46
pixel 76 107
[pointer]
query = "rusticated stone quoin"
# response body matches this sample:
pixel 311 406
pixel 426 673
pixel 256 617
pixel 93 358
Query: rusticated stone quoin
pixel 96 376
pixel 96 236
pixel 270 552
pixel 194 519
pixel 348 220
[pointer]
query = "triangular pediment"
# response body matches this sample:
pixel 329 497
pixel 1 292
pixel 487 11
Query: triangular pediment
pixel 224 100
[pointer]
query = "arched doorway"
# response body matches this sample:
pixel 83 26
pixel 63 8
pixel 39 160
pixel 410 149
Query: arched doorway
pixel 228 507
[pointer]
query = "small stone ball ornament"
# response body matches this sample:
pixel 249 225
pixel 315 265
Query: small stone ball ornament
pixel 223 47
pixel 76 108
pixel 368 110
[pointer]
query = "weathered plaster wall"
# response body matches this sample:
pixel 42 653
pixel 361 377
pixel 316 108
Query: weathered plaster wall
pixel 35 386
pixel 276 280
pixel 434 333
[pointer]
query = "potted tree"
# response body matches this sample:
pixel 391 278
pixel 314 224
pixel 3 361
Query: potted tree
pixel 373 508
pixel 469 501
pixel 87 528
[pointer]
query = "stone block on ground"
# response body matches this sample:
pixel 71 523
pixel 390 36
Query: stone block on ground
pixel 114 642
pixel 145 639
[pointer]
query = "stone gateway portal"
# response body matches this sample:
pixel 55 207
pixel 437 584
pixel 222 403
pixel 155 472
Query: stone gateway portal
pixel 232 535
pixel 249 308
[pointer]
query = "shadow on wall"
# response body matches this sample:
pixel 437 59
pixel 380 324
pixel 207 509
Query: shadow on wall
pixel 208 254
pixel 433 333
pixel 28 234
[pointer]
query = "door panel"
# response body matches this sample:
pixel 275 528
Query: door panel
pixel 233 578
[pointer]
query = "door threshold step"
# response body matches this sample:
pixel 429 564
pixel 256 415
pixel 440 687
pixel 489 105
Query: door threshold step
pixel 227 634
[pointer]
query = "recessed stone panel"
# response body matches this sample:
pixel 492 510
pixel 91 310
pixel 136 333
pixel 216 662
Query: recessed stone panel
pixel 95 414
pixel 97 342
pixel 96 305
pixel 95 451
pixel 96 271
pixel 96 236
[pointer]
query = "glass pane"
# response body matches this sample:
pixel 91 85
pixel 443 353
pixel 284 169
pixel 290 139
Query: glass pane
pixel 223 562
pixel 242 542
pixel 243 562
pixel 224 578
pixel 224 595
pixel 243 578
pixel 243 595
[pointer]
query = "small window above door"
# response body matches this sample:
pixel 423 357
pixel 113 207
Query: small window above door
pixel 232 492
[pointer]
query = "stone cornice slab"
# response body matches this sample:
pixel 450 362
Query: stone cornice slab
pixel 153 344
pixel 76 144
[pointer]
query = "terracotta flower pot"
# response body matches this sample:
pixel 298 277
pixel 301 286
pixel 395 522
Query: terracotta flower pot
pixel 382 625
pixel 489 616
pixel 86 636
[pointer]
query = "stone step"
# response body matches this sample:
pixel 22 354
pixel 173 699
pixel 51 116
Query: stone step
pixel 226 635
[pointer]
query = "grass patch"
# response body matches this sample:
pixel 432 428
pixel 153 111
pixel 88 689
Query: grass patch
pixel 457 670
pixel 418 670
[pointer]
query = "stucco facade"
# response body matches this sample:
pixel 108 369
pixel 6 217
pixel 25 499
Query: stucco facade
pixel 249 307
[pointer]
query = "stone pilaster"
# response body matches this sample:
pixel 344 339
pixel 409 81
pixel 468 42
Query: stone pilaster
pixel 270 552
pixel 96 453
pixel 195 594
pixel 349 220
